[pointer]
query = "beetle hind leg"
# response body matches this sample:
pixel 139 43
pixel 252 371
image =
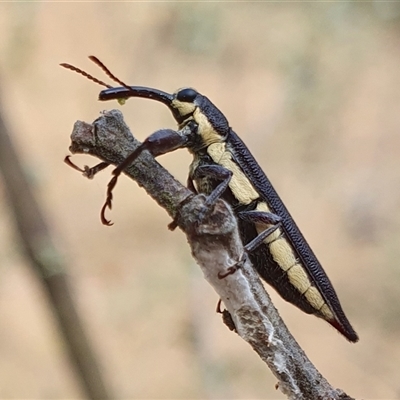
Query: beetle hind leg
pixel 260 217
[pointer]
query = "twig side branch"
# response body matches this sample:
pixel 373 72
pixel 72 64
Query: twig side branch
pixel 216 246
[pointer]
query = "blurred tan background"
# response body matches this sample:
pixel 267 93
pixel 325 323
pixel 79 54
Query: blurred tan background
pixel 314 91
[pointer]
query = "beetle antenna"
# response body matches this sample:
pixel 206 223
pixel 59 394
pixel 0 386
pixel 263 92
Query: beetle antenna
pixel 85 74
pixel 108 72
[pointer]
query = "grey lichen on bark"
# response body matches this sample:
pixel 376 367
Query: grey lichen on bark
pixel 216 246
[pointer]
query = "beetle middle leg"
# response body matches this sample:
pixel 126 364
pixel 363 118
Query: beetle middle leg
pixel 214 172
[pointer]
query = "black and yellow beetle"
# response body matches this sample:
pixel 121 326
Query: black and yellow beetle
pixel 223 166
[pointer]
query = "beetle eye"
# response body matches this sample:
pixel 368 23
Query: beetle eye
pixel 186 95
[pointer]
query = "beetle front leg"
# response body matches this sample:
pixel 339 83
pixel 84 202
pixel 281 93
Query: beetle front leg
pixel 160 142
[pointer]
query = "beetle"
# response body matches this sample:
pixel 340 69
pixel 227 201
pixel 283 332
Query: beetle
pixel 223 167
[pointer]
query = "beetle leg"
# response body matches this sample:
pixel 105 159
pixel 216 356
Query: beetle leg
pixel 174 223
pixel 190 185
pixel 214 172
pixel 86 170
pixel 260 217
pixel 160 142
pixel 258 240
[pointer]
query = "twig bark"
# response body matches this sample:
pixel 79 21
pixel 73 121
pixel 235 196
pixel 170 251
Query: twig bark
pixel 216 246
pixel 43 256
